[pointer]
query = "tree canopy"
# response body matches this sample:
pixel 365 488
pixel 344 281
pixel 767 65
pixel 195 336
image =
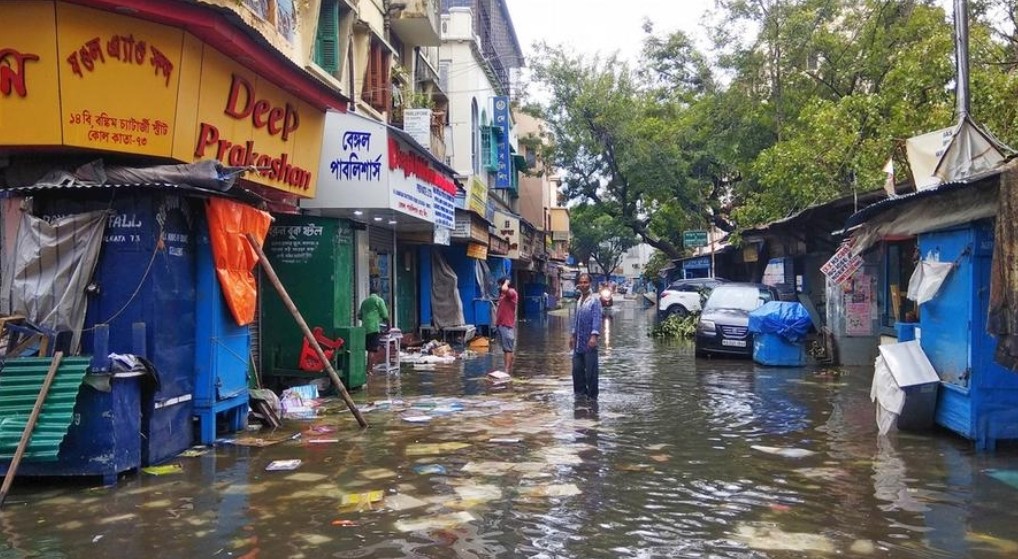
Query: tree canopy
pixel 599 237
pixel 805 107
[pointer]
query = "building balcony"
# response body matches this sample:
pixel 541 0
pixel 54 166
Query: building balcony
pixel 416 21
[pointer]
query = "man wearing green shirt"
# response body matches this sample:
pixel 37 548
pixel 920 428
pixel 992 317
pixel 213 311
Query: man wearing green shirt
pixel 372 313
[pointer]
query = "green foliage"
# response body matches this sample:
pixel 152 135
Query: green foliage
pixel 676 327
pixel 657 262
pixel 599 237
pixel 805 109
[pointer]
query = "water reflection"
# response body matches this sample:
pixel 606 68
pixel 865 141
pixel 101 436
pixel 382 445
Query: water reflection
pixel 680 457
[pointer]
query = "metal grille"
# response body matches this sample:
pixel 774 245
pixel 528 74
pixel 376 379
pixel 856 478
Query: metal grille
pixel 734 331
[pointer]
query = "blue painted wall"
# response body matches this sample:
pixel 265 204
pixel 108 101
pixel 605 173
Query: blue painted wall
pixel 978 398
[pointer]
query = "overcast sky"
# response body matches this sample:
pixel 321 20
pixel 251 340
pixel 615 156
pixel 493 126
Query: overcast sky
pixel 605 26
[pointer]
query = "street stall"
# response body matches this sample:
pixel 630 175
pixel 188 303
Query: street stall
pixel 962 230
pixel 123 274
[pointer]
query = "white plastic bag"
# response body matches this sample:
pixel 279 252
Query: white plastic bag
pixel 927 279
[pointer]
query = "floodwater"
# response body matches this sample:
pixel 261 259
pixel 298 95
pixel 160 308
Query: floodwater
pixel 680 458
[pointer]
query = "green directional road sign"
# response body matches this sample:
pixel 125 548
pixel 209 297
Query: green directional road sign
pixel 694 239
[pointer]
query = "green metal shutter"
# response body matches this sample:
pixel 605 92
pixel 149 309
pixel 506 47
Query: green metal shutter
pixel 327 38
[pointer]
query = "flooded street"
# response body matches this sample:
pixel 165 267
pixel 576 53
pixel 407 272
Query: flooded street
pixel 680 458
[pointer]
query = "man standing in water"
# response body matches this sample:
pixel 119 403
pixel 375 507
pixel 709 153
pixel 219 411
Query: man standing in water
pixel 372 313
pixel 583 340
pixel 505 320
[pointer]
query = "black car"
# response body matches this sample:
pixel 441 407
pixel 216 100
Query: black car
pixel 723 328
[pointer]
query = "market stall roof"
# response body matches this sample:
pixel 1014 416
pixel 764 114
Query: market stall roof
pixel 944 206
pixel 893 202
pixel 203 179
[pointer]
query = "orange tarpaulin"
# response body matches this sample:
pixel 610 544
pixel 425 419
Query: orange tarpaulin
pixel 233 256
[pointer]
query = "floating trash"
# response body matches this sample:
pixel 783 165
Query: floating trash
pixel 772 538
pixel 785 452
pixel 163 470
pixel 194 451
pixel 416 418
pixel 559 490
pixel 401 502
pixel 283 465
pixel 362 499
pixel 377 473
pixel 435 522
pixel 427 469
pixel 433 448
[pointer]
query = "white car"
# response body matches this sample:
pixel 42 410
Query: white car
pixel 685 296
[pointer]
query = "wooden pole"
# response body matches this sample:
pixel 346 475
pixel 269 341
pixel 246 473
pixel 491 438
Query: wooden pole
pixel 26 435
pixel 274 280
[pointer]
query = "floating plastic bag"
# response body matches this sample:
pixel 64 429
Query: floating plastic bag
pixel 788 320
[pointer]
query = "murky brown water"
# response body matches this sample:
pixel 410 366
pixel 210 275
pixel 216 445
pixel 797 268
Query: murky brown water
pixel 664 466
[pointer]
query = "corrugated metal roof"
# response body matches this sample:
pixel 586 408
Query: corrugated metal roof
pixel 914 197
pixel 20 382
pixel 77 186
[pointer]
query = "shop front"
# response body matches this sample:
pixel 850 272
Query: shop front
pixel 106 100
pixel 395 196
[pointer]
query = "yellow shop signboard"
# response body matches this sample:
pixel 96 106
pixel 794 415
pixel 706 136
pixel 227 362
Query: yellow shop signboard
pixel 76 76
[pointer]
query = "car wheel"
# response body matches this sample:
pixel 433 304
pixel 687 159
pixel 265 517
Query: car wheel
pixel 678 310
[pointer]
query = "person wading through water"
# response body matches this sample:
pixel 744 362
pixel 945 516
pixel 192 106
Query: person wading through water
pixel 505 320
pixel 583 340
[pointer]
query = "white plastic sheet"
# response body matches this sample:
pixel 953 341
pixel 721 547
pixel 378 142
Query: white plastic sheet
pixel 926 280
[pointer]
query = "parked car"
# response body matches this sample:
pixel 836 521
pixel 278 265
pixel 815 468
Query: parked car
pixel 723 327
pixel 684 296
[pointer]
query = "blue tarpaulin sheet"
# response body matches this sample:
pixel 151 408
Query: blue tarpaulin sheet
pixel 788 320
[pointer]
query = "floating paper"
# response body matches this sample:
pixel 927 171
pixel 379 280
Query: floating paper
pixel 786 452
pixel 283 465
pixel 435 522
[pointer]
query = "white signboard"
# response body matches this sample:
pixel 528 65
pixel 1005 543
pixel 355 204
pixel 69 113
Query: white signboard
pixel 508 228
pixel 417 123
pixel 354 168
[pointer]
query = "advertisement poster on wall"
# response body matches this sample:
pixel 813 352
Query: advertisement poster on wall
pixel 858 305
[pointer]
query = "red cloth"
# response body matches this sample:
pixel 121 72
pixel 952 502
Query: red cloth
pixel 505 312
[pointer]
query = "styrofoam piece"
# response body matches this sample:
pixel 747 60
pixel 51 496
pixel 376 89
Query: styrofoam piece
pixel 908 364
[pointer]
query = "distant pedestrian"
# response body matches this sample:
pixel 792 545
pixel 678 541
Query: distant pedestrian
pixel 505 320
pixel 583 340
pixel 372 313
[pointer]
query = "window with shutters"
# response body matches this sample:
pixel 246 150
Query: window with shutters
pixel 377 90
pixel 489 149
pixel 327 38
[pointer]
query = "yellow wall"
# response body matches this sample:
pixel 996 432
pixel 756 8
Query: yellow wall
pixel 99 80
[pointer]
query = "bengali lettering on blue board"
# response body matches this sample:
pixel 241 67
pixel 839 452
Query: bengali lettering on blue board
pixel 502 175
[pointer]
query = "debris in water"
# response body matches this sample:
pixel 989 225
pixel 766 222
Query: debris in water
pixel 425 469
pixel 435 522
pixel 771 538
pixel 164 469
pixel 283 465
pixel 560 490
pixel 785 452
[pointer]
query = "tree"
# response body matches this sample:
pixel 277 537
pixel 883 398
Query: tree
pixel 797 103
pixel 599 237
pixel 617 146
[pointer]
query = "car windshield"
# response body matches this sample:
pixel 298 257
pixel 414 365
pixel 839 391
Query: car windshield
pixel 740 297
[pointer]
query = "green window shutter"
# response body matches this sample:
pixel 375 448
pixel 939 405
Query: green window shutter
pixel 487 141
pixel 327 38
